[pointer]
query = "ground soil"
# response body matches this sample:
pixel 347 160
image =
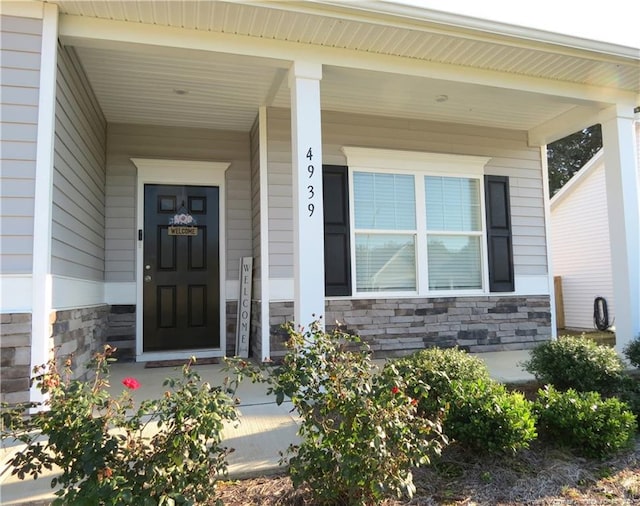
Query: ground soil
pixel 539 476
pixel 542 475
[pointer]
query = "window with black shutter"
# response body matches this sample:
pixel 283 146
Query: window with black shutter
pixel 337 255
pixel 499 242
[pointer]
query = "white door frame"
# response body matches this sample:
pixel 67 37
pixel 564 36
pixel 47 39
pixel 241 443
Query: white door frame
pixel 179 172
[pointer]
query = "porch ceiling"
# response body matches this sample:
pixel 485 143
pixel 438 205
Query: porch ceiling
pixel 224 91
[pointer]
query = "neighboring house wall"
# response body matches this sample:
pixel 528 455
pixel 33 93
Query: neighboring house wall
pixel 580 246
pixel 78 226
pixel 509 152
pixel 21 44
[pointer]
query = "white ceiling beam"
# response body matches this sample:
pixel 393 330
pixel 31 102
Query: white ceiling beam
pixel 102 33
pixel 565 124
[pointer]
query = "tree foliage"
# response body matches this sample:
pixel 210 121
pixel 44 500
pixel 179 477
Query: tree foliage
pixel 568 155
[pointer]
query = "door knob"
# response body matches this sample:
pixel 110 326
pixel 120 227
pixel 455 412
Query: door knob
pixel 147 279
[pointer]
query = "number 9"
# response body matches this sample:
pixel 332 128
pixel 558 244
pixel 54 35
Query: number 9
pixel 311 208
pixel 310 170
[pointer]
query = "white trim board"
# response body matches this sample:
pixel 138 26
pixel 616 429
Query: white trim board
pixel 73 293
pixel 281 289
pixel 180 172
pixel 15 293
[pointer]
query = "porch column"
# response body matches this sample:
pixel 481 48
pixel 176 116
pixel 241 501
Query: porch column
pixel 42 290
pixel 308 224
pixel 621 176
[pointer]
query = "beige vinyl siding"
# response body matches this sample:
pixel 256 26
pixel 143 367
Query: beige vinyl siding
pixel 20 43
pixel 509 152
pixel 143 141
pixel 255 203
pixel 580 248
pixel 78 222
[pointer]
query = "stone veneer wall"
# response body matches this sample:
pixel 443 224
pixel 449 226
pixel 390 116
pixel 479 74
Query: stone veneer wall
pixel 15 357
pixel 232 323
pixel 121 331
pixel 255 334
pixel 79 333
pixel 396 327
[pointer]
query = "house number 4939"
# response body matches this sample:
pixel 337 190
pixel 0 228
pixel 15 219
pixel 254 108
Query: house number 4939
pixel 310 189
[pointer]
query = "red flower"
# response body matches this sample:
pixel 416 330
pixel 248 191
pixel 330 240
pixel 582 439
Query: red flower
pixel 131 383
pixel 395 390
pixel 414 402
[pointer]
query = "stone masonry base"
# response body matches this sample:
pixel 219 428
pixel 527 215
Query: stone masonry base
pixel 397 327
pixel 75 333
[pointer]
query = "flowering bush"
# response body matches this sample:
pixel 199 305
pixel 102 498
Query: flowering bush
pixel 167 451
pixel 360 431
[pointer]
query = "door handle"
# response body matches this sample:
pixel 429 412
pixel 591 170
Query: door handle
pixel 147 279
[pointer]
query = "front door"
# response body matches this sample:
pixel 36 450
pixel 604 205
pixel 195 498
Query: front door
pixel 181 271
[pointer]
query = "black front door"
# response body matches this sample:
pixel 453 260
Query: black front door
pixel 181 270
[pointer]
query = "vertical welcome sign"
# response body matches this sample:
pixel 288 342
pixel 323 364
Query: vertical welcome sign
pixel 244 307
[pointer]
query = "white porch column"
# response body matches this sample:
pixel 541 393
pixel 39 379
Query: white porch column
pixel 42 290
pixel 308 224
pixel 621 176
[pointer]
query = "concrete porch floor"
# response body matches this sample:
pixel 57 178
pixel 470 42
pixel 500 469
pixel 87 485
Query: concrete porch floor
pixel 264 430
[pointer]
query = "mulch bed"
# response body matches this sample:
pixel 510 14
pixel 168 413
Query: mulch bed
pixel 540 476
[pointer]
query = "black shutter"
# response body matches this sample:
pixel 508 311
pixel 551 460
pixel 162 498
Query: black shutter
pixel 337 256
pixel 501 278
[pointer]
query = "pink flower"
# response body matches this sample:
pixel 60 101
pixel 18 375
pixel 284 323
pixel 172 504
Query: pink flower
pixel 131 383
pixel 395 390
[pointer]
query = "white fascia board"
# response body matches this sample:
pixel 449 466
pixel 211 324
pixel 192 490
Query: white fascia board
pixel 22 9
pixel 574 182
pixel 395 14
pixel 124 35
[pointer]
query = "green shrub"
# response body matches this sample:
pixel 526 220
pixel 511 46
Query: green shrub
pixel 360 432
pixel 584 421
pixel 111 457
pixel 438 368
pixel 478 412
pixel 578 363
pixel 632 352
pixel 486 417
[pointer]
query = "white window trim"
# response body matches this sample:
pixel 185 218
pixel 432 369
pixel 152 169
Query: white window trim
pixel 417 163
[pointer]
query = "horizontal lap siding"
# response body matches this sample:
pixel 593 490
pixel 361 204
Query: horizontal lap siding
pixel 508 150
pixel 580 247
pixel 78 228
pixel 145 141
pixel 20 42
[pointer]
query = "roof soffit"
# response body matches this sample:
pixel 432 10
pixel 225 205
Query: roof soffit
pixel 348 27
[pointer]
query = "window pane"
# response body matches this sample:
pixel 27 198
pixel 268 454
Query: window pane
pixel 385 262
pixel 453 203
pixel 384 201
pixel 454 262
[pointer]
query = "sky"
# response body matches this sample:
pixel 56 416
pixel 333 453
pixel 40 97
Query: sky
pixel 614 21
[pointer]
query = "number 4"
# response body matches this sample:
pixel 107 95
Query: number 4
pixel 309 154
